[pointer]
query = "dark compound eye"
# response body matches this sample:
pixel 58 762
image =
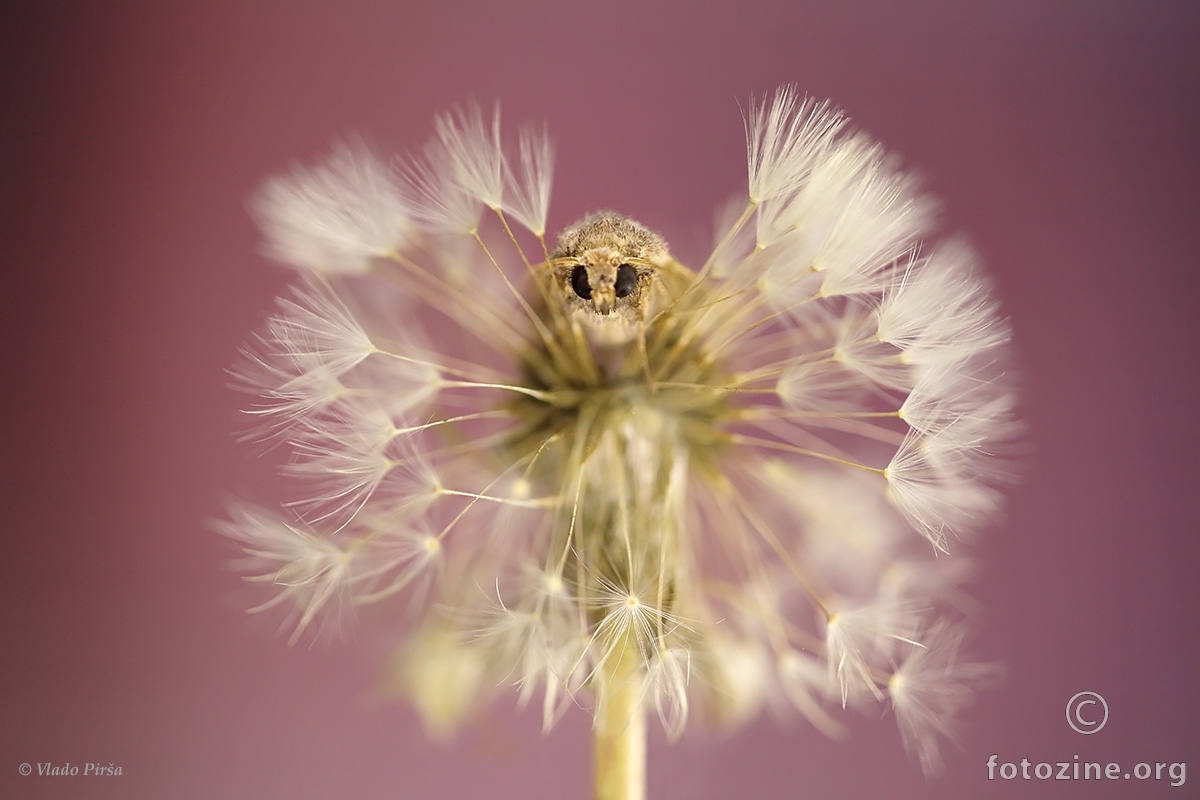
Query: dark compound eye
pixel 626 280
pixel 579 282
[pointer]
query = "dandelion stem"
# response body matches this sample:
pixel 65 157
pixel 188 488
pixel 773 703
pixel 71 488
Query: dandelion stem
pixel 787 448
pixel 619 734
pixel 728 238
pixel 513 238
pixel 547 338
pixel 699 278
pixel 537 502
pixel 546 397
pixel 489 327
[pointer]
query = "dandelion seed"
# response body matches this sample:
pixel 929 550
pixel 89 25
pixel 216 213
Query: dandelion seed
pixel 444 675
pixel 403 558
pixel 805 685
pixel 542 639
pixel 937 308
pixel 473 153
pixel 309 572
pixel 786 137
pixel 614 481
pixel 336 217
pixel 931 689
pixel 439 201
pixel 314 331
pixel 667 678
pixel 858 639
pixel 735 676
pixel 529 191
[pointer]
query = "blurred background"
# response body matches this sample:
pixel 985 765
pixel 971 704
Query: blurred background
pixel 1062 138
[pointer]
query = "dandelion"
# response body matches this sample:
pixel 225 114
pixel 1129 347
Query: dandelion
pixel 614 481
pixel 930 689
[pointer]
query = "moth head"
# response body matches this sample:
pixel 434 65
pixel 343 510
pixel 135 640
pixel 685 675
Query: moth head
pixel 600 280
pixel 605 263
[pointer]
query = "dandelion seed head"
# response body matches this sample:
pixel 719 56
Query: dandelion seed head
pixel 615 481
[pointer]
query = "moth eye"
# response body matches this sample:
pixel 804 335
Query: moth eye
pixel 626 280
pixel 579 282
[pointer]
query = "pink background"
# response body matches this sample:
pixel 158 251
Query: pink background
pixel 1062 136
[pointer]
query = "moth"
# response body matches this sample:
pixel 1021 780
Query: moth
pixel 613 274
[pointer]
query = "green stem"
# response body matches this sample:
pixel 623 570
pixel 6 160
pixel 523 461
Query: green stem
pixel 619 735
